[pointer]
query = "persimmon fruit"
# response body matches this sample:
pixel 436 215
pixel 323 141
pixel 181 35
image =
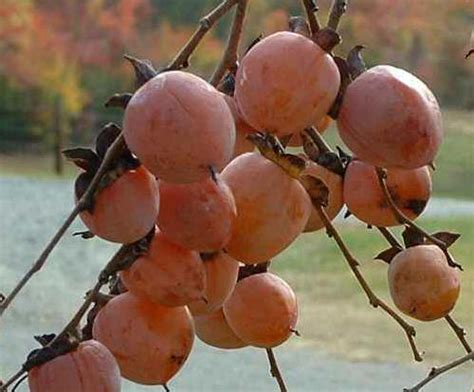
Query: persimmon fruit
pixel 214 330
pixel 390 118
pixel 221 276
pixel 89 368
pixel 150 342
pixel 197 216
pixel 285 83
pixel 125 210
pixel 272 208
pixel 262 310
pixel 167 274
pixel 422 284
pixel 178 125
pixel 364 197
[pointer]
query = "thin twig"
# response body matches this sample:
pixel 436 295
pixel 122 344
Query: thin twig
pixel 460 333
pixel 112 153
pixel 373 299
pixel 230 54
pixel 275 371
pixel 435 372
pixel 403 219
pixel 181 60
pixel 311 8
pixel 76 318
pixel 390 237
pixel 318 140
pixel 338 9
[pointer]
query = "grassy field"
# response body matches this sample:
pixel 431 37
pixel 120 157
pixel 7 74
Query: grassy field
pixel 335 314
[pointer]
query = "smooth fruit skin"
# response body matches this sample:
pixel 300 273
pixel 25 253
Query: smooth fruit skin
pixel 90 368
pixel 390 118
pixel 214 330
pixel 422 284
pixel 364 197
pixel 222 272
pixel 126 210
pixel 168 274
pixel 262 310
pixel 197 216
pixel 286 83
pixel 178 125
pixel 272 208
pixel 334 182
pixel 150 342
pixel 242 129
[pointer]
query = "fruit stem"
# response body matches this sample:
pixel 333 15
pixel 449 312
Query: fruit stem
pixel 460 333
pixel 318 140
pixel 404 220
pixel 230 55
pixel 181 60
pixel 373 299
pixel 435 372
pixel 338 8
pixel 390 237
pixel 274 370
pixel 311 9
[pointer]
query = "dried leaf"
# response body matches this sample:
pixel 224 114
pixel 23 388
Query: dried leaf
pixel 309 147
pixel 118 100
pixel 347 214
pixel 105 138
pixel 346 79
pixel 447 237
pixel 84 158
pixel 355 62
pixel 144 70
pixel 332 162
pixel 412 237
pixel 388 254
pixel 317 190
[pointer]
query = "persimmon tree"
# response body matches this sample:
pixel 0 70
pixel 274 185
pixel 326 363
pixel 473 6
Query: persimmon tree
pixel 205 271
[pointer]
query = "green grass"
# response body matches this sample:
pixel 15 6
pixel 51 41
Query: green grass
pixel 335 315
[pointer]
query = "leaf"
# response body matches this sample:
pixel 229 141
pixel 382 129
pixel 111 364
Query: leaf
pixel 144 70
pixel 412 237
pixel 355 62
pixel 86 235
pixel 331 161
pixel 105 138
pixel 388 254
pixel 346 79
pixel 309 147
pixel 84 158
pixel 447 237
pixel 317 190
pixel 118 100
pixel 227 85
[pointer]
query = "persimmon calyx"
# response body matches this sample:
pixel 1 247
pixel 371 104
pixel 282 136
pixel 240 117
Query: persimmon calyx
pixel 327 39
pixel 144 70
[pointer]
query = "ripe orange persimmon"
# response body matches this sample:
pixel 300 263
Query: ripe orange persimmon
pixel 126 210
pixel 390 118
pixel 89 368
pixel 150 342
pixel 410 190
pixel 178 125
pixel 221 276
pixel 334 183
pixel 286 83
pixel 214 330
pixel 242 129
pixel 197 216
pixel 422 284
pixel 168 274
pixel 272 208
pixel 262 310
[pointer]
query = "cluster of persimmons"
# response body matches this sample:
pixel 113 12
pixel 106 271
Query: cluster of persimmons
pixel 214 207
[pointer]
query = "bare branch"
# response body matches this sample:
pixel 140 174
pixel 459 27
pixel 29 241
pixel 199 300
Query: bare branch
pixel 230 54
pixel 390 237
pixel 318 140
pixel 311 8
pixel 373 299
pixel 460 333
pixel 181 60
pixel 274 370
pixel 338 9
pixel 403 219
pixel 435 372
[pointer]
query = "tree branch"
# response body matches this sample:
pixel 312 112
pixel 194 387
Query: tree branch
pixel 230 54
pixel 318 140
pixel 311 8
pixel 338 9
pixel 181 60
pixel 113 152
pixel 390 237
pixel 435 372
pixel 460 333
pixel 274 370
pixel 373 299
pixel 403 219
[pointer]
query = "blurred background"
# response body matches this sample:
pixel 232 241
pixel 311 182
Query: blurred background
pixel 60 61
